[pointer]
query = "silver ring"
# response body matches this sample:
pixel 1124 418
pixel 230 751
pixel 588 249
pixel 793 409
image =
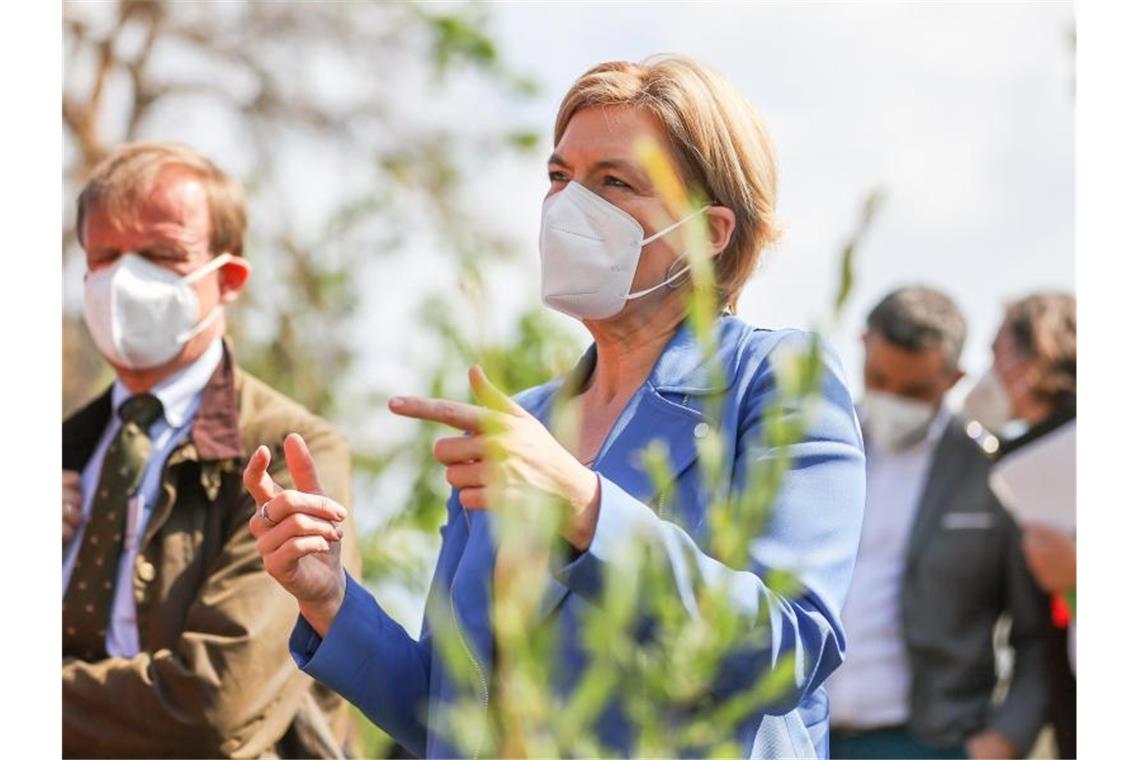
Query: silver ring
pixel 69 508
pixel 264 512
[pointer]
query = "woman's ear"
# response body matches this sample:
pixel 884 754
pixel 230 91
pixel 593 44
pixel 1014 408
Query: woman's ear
pixel 232 278
pixel 722 223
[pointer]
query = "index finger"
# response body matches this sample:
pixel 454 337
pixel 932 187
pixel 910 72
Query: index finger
pixel 71 478
pixel 301 465
pixel 467 417
pixel 256 477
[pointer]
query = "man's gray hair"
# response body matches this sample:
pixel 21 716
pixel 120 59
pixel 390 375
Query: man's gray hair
pixel 919 318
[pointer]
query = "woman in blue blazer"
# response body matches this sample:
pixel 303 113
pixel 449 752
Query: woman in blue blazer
pixel 614 257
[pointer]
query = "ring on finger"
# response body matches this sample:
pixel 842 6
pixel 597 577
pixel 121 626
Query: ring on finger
pixel 264 512
pixel 68 508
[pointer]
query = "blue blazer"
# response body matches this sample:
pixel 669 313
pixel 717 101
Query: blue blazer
pixel 813 531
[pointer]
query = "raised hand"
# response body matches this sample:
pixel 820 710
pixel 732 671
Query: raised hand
pixel 72 504
pixel 298 532
pixel 508 450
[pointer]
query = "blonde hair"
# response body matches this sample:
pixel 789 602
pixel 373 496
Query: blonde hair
pixel 716 137
pixel 123 181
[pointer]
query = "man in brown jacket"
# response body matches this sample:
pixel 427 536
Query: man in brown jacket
pixel 174 636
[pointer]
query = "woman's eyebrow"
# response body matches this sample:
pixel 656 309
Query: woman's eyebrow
pixel 557 159
pixel 625 166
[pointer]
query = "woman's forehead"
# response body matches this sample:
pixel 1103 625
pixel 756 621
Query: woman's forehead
pixel 606 132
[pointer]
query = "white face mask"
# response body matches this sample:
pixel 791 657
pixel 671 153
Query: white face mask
pixel 988 402
pixel 894 422
pixel 590 249
pixel 140 314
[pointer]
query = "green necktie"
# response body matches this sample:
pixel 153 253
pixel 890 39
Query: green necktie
pixel 87 603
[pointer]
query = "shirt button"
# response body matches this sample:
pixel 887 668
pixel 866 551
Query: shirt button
pixel 701 430
pixel 146 571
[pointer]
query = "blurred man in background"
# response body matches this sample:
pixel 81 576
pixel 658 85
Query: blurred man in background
pixel 174 636
pixel 939 562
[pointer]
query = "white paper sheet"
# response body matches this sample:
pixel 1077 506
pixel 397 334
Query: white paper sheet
pixel 1038 483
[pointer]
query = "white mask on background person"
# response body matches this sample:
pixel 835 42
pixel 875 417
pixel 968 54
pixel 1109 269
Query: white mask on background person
pixel 988 402
pixel 590 249
pixel 893 422
pixel 140 315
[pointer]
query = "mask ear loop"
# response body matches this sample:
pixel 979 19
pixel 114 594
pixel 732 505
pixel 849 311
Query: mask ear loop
pixel 197 329
pixel 670 278
pixel 668 281
pixel 673 226
pixel 219 261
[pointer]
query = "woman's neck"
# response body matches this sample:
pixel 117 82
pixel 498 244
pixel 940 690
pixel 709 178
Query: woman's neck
pixel 628 350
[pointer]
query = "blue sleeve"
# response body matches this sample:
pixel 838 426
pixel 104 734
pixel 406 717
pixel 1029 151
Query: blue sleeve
pixel 812 532
pixel 370 660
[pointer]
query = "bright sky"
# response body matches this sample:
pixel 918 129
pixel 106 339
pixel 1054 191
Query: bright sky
pixel 963 113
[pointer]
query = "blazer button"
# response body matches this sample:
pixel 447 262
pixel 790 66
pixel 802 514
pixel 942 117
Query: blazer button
pixel 146 571
pixel 701 430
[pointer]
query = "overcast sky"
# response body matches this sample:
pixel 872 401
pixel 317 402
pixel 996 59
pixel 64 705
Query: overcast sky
pixel 963 113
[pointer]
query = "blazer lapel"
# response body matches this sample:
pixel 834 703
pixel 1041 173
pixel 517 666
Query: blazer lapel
pixel 946 467
pixel 652 417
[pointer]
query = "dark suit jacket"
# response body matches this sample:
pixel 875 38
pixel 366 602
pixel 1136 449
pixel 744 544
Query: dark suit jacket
pixel 965 569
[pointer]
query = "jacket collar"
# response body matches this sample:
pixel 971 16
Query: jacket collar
pixel 655 415
pixel 215 432
pixel 683 366
pixel 949 463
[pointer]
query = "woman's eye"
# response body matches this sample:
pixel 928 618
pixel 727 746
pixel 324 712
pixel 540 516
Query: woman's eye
pixel 556 176
pixel 613 182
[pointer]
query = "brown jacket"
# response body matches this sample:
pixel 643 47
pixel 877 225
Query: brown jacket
pixel 214 677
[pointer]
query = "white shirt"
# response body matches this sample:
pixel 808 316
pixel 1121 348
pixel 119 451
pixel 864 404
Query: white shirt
pixel 180 394
pixel 872 687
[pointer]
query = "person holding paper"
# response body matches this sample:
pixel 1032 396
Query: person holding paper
pixel 939 563
pixel 1031 389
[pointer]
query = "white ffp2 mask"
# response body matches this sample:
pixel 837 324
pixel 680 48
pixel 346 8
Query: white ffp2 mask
pixel 140 315
pixel 590 249
pixel 894 422
pixel 988 402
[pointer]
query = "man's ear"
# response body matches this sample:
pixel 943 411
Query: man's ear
pixel 232 278
pixel 721 223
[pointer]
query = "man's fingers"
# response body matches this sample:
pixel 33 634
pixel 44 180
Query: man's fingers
pixel 458 448
pixel 458 415
pixel 473 498
pixel 293 526
pixel 280 562
pixel 301 465
pixel 256 477
pixel 489 395
pixel 70 479
pixel 290 502
pixel 72 515
pixel 72 497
